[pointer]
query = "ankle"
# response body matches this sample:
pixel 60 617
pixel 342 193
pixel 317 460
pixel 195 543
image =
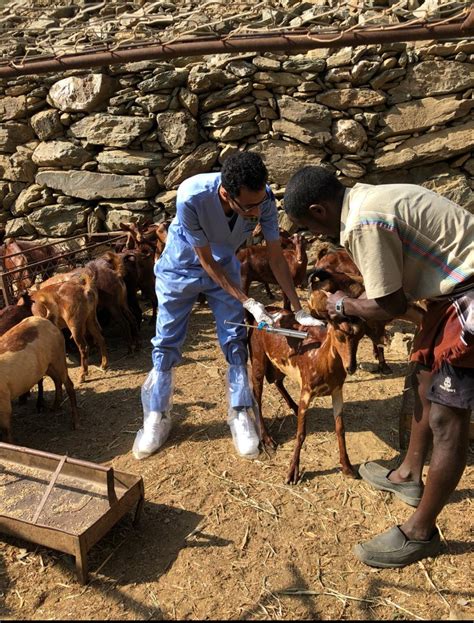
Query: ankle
pixel 403 474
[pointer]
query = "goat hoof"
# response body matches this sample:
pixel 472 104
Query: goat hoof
pixel 292 478
pixel 350 472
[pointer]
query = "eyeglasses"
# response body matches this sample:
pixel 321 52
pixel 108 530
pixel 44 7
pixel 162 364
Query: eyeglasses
pixel 251 206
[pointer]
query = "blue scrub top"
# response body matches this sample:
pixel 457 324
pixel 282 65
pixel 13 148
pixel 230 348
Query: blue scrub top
pixel 200 221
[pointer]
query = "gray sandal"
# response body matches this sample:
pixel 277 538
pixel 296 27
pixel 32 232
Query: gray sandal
pixel 394 549
pixel 377 476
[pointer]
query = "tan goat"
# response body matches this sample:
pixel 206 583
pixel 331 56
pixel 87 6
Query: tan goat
pixel 30 350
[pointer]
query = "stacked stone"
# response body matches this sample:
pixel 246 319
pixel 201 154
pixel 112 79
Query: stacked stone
pixel 85 150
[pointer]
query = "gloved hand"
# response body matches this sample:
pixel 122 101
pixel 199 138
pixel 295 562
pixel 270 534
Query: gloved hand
pixel 258 311
pixel 307 320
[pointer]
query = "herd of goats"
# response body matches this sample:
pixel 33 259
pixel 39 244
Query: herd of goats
pixel 73 298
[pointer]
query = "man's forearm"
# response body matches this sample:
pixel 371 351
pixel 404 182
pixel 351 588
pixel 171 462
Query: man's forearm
pixel 368 309
pixel 219 276
pixel 282 274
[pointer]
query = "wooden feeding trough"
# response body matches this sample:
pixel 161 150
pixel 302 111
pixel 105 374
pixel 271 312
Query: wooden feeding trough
pixel 63 503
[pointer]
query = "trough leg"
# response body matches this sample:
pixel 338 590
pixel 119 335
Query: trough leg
pixel 82 568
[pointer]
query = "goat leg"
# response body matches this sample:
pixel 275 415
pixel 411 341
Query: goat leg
pixel 293 474
pixel 286 396
pixel 337 406
pixel 379 354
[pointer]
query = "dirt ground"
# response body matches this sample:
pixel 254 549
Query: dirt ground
pixel 222 537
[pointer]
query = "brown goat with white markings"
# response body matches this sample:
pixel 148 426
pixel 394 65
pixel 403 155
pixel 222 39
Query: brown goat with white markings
pixel 319 364
pixel 339 263
pixel 255 265
pixel 30 350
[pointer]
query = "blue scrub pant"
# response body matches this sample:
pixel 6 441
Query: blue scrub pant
pixel 177 292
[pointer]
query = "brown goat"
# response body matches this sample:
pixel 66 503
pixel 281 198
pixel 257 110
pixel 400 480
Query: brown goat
pixel 32 258
pixel 108 272
pixel 153 235
pixel 340 265
pixel 319 363
pixel 30 350
pixel 255 265
pixel 72 304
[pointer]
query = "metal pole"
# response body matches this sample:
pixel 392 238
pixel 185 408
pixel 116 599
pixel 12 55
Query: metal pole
pixel 291 41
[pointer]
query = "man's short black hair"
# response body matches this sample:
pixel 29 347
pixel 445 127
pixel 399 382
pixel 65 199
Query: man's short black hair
pixel 243 168
pixel 311 185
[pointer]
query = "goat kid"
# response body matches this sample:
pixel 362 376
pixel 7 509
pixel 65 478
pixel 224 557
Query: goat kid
pixel 72 304
pixel 30 350
pixel 319 364
pixel 255 265
pixel 339 263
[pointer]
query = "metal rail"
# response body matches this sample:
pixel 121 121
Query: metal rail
pixel 12 282
pixel 292 41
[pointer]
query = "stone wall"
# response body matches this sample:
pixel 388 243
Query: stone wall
pixel 83 151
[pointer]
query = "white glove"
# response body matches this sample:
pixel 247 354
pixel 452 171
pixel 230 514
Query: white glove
pixel 258 311
pixel 306 319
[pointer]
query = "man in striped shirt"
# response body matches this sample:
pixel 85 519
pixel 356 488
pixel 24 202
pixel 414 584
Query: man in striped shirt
pixel 409 243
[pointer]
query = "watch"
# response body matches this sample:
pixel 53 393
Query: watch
pixel 339 306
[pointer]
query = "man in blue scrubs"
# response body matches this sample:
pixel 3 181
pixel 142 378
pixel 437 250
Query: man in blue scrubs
pixel 215 213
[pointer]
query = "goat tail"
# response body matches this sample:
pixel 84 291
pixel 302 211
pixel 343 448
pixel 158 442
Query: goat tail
pixel 39 308
pixel 88 280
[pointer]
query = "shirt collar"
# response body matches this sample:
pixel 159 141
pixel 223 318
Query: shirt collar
pixel 344 212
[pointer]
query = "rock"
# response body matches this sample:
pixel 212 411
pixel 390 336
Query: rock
pixel 126 161
pixel 189 100
pixel 349 168
pixel 167 201
pixel 201 160
pixel 304 112
pixel 164 80
pixel 89 185
pixel 110 130
pixel 282 79
pixel 30 198
pixel 233 116
pixel 421 114
pixel 47 124
pixel 341 57
pixel 241 69
pixel 81 93
pixel 115 217
pixel 177 131
pixel 428 148
pixel 348 137
pixel 153 102
pixel 342 99
pixel 12 107
pixel 282 158
pixel 309 134
pixel 226 96
pixel 298 64
pixel 235 132
pixel 60 154
pixel 134 206
pixel 201 78
pixel 17 168
pixel 435 78
pixel 59 221
pixel 14 134
pixel 18 227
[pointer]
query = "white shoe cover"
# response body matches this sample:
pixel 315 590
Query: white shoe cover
pixel 153 435
pixel 244 435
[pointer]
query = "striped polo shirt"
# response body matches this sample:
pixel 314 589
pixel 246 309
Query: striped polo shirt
pixel 405 236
